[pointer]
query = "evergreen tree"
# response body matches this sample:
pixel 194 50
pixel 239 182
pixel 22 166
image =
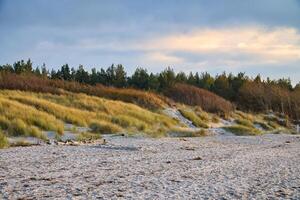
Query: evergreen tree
pixel 103 77
pixel 181 77
pixel 222 87
pixel 206 81
pixel 110 73
pixel 45 72
pixel 139 79
pixel 94 77
pixel 166 78
pixel 120 79
pixel 65 72
pixel 81 75
pixel 154 82
pixel 37 71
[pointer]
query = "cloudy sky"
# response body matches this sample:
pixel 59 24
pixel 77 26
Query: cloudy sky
pixel 252 36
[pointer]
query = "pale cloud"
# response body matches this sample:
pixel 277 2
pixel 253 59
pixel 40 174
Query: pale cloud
pixel 162 58
pixel 274 45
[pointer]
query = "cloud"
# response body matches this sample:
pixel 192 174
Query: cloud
pixel 259 44
pixel 161 58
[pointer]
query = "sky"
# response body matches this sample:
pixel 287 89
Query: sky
pixel 252 36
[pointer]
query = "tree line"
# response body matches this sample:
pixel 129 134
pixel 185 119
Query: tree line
pixel 251 94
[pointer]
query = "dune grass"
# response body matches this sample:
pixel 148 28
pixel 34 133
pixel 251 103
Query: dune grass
pixel 186 132
pixel 101 115
pixel 104 127
pixel 241 130
pixel 215 119
pixel 190 115
pixel 3 140
pixel 86 136
pixel 11 111
pixel 265 125
pixel 245 122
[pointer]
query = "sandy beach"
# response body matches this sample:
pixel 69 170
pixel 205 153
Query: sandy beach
pixel 218 167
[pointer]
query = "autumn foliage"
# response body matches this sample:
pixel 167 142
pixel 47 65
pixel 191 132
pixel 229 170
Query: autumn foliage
pixel 194 96
pixel 261 97
pixel 30 82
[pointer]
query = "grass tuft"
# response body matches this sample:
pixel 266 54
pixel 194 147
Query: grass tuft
pixel 3 141
pixel 190 115
pixel 104 127
pixel 245 122
pixel 87 136
pixel 241 130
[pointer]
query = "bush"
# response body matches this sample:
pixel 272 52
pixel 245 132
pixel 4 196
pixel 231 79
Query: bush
pixel 194 96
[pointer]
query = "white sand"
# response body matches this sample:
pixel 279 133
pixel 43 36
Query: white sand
pixel 222 167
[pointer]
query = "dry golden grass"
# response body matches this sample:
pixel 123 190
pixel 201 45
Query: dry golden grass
pixel 193 117
pixel 3 141
pixel 11 110
pixel 49 112
pixel 241 130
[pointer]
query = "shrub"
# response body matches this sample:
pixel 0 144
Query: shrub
pixel 194 96
pixel 3 141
